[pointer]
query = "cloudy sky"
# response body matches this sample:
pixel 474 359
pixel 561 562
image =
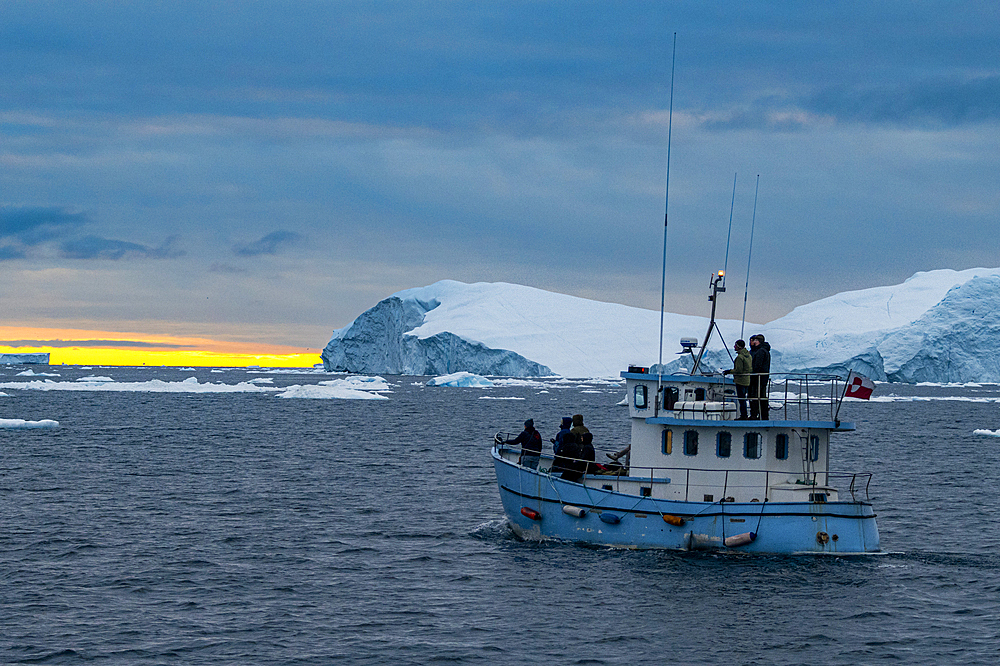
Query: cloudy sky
pixel 265 171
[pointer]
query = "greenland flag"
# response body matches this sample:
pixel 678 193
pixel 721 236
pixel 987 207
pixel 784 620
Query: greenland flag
pixel 859 386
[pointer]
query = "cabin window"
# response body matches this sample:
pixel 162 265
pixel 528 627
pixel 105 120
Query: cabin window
pixel 690 442
pixel 668 442
pixel 814 447
pixel 781 447
pixel 640 399
pixel 671 395
pixel 751 445
pixel 699 394
pixel 724 444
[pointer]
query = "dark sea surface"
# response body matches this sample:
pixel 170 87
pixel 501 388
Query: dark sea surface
pixel 189 528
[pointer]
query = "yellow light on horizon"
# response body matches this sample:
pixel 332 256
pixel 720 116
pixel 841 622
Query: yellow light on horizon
pixel 154 350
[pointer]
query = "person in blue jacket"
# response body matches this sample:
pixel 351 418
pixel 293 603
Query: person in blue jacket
pixel 567 423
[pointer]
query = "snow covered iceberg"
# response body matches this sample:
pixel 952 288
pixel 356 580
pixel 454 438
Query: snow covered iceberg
pixel 937 326
pixel 507 330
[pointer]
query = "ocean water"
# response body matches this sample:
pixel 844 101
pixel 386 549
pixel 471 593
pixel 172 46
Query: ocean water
pixel 240 528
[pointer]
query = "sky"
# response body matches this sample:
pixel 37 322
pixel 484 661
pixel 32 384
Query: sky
pixel 260 173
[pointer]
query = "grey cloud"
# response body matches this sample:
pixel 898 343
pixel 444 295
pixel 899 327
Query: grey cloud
pixel 95 247
pixel 90 343
pixel 32 225
pixel 945 102
pixel 269 244
pixel 226 268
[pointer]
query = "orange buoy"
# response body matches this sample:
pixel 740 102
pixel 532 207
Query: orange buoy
pixel 530 513
pixel 676 521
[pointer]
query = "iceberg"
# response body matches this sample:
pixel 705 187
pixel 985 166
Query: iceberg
pixel 39 358
pixel 937 326
pixel 461 379
pixel 506 330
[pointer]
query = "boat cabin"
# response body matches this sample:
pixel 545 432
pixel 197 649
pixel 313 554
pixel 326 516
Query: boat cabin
pixel 687 440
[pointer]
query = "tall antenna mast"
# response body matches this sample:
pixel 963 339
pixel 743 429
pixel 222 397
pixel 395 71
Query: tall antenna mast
pixel 725 267
pixel 666 211
pixel 746 288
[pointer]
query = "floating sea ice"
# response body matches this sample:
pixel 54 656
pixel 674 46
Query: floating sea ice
pixel 987 433
pixel 461 379
pixel 22 424
pixel 499 397
pixel 314 391
pixel 359 382
pixel 528 383
pixel 31 373
pixel 93 378
pixel 189 385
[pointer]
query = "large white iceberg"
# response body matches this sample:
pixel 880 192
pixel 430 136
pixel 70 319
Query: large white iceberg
pixel 506 330
pixel 937 326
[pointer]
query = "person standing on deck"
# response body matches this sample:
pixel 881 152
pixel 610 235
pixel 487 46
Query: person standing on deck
pixel 531 445
pixel 558 440
pixel 742 367
pixel 578 428
pixel 760 352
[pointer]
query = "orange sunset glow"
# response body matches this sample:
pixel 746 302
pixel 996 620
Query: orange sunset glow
pixel 92 347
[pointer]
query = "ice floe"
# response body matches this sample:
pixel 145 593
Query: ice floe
pixel 21 424
pixel 189 385
pixel 359 382
pixel 461 379
pixel 315 391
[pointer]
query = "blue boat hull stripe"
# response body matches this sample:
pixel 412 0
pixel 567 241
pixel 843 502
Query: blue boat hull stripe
pixel 702 514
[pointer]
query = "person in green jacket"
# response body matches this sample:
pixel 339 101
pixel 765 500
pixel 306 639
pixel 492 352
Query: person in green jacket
pixel 742 366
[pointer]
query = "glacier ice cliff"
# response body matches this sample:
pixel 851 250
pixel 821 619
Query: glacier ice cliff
pixel 937 326
pixel 379 341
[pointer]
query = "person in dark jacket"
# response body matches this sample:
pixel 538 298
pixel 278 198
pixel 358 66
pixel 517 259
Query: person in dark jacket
pixel 760 353
pixel 558 440
pixel 531 445
pixel 568 461
pixel 742 367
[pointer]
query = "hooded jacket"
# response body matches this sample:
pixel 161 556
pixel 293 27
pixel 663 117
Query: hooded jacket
pixel 742 367
pixel 761 358
pixel 578 428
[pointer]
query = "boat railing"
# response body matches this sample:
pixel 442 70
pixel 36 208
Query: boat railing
pixel 803 396
pixel 854 483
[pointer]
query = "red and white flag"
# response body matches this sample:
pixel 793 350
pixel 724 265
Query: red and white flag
pixel 859 386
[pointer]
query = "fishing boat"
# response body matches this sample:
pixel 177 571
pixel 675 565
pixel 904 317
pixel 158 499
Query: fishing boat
pixel 695 477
